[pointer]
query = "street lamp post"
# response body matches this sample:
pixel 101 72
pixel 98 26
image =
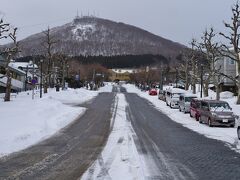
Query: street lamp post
pixel 33 85
pixel 201 80
pixel 67 70
pixel 41 62
pixel 63 75
pixel 26 79
pixel 176 78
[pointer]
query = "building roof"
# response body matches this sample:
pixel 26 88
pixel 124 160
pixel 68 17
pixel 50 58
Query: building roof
pixel 175 90
pixel 15 68
pixel 122 71
pixel 25 65
pixel 189 95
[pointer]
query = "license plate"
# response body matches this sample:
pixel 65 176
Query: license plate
pixel 225 120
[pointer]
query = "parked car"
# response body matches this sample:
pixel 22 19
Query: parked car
pixel 195 106
pixel 162 95
pixel 172 97
pixel 238 132
pixel 184 102
pixel 152 92
pixel 216 113
pixel 238 127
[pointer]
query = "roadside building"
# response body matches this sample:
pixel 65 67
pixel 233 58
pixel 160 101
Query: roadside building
pixel 18 77
pixel 120 74
pixel 228 67
pixel 31 70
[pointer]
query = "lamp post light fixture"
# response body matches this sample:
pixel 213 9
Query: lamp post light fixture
pixel 41 76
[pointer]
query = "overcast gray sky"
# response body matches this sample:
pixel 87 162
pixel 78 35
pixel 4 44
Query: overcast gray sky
pixel 177 20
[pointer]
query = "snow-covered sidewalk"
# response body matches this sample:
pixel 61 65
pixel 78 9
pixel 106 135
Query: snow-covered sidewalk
pixel 227 135
pixel 24 122
pixel 119 159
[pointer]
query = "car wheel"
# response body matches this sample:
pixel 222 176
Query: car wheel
pixel 209 122
pixel 179 109
pixel 238 132
pixel 191 114
pixel 197 118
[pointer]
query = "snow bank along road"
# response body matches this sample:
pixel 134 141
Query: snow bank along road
pixel 67 154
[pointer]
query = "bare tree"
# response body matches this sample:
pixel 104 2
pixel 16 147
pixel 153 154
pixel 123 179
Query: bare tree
pixel 62 63
pixel 193 61
pixel 4 29
pixel 185 62
pixel 48 44
pixel 211 49
pixel 233 37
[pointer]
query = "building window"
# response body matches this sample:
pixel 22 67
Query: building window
pixel 231 62
pixel 2 70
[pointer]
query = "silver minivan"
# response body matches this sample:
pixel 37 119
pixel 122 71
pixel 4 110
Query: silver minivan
pixel 185 101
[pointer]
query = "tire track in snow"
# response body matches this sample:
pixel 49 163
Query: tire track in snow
pixel 119 158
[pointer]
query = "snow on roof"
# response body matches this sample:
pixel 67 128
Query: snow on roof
pixel 15 68
pixel 189 95
pixel 24 65
pixel 176 90
pixel 121 71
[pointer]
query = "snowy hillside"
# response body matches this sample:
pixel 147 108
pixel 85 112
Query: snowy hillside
pixel 95 36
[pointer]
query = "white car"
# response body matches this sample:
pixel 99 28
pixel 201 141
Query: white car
pixel 172 97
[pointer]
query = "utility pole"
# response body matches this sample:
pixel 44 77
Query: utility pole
pixel 67 70
pixel 201 80
pixel 79 78
pixel 41 76
pixel 176 77
pixel 26 79
pixel 33 85
pixel 63 75
pixel 161 78
pixel 93 78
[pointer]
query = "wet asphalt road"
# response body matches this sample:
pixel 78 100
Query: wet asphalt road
pixel 171 150
pixel 176 152
pixel 69 153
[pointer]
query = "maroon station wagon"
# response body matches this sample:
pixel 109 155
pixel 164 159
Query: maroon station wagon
pixel 195 108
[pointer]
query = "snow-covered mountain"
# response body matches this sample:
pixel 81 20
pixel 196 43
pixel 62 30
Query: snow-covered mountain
pixel 94 36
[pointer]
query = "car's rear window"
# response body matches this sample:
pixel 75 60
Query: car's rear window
pixel 219 106
pixel 188 99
